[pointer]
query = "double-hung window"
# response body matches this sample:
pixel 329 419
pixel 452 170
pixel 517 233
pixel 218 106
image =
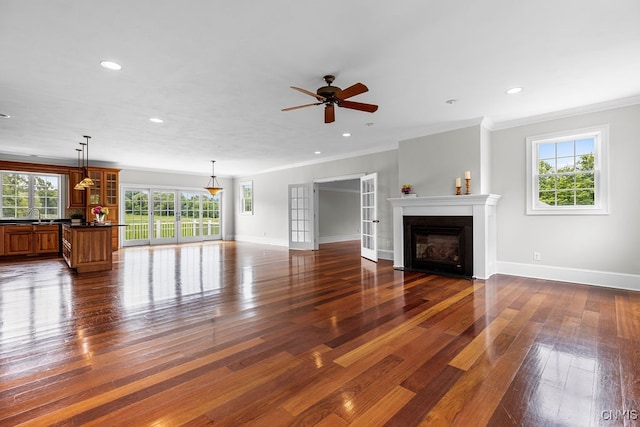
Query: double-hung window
pixel 246 198
pixel 30 195
pixel 567 172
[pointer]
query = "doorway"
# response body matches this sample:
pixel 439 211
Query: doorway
pixel 351 213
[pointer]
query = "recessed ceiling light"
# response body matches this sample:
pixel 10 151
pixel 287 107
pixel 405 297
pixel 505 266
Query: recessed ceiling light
pixel 514 90
pixel 346 134
pixel 4 116
pixel 156 120
pixel 110 65
pixel 316 152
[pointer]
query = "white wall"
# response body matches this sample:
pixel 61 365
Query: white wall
pixel 589 249
pixel 269 223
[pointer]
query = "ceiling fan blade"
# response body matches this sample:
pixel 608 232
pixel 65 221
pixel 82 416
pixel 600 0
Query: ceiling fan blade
pixel 301 106
pixel 353 90
pixel 369 108
pixel 315 95
pixel 329 114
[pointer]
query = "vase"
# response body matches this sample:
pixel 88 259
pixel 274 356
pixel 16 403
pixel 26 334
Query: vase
pixel 100 218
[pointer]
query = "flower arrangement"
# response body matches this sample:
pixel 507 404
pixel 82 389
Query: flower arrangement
pixel 100 212
pixel 406 189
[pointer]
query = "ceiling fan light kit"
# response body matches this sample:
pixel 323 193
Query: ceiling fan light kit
pixel 331 96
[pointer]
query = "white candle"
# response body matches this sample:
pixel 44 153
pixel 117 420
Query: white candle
pixel 467 175
pixel 457 182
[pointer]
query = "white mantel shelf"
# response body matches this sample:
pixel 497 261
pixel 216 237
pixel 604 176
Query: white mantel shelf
pixel 482 207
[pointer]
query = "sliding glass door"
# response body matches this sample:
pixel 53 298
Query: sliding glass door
pixel 155 216
pixel 189 226
pixel 164 218
pixel 136 216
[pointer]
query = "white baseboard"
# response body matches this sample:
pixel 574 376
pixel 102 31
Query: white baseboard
pixel 385 254
pixel 574 275
pixel 261 240
pixel 343 238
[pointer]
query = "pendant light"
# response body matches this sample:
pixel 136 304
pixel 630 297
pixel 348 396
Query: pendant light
pixel 213 187
pixel 86 182
pixel 79 185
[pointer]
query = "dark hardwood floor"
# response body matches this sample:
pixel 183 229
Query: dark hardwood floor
pixel 227 333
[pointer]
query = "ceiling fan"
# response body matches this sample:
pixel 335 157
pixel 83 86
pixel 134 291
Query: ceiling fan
pixel 331 96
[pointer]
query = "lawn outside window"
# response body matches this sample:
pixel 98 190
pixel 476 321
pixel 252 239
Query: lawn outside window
pixel 567 172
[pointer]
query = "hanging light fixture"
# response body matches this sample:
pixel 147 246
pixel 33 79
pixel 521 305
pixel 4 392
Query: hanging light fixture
pixel 86 182
pixel 213 187
pixel 79 185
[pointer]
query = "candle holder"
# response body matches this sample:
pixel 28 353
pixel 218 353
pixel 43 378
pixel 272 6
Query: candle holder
pixel 468 184
pixel 458 190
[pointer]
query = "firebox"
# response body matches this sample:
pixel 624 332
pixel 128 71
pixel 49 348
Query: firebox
pixel 439 245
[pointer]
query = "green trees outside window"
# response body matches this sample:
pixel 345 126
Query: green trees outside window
pixel 566 173
pixel 26 194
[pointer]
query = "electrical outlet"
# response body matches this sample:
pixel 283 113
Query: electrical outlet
pixel 536 256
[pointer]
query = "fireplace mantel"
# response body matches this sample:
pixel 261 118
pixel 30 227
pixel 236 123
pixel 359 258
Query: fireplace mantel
pixel 482 207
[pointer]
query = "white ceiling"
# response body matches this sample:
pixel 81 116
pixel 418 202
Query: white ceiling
pixel 218 73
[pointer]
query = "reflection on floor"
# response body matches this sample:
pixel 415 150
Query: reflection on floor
pixel 230 333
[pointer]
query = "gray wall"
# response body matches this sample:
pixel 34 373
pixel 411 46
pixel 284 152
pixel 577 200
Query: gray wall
pixel 586 247
pixel 594 249
pixel 430 164
pixel 269 223
pixel 339 214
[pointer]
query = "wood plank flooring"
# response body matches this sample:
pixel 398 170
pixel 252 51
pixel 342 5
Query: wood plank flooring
pixel 231 333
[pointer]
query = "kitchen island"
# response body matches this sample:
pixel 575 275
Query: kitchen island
pixel 87 247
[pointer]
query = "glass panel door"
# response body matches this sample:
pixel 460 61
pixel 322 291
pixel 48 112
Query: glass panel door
pixel 211 216
pixel 302 218
pixel 136 217
pixel 164 217
pixel 189 219
pixel 369 217
pixel 169 216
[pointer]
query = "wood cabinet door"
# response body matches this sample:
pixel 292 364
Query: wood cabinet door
pixel 46 239
pixel 76 197
pixel 18 240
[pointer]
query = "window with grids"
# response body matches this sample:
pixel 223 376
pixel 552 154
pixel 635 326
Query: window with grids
pixel 567 172
pixel 24 195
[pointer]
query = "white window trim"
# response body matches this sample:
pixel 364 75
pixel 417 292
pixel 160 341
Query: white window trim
pixel 601 206
pixel 242 198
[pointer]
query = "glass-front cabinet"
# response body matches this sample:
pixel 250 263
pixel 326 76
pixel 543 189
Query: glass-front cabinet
pixel 103 192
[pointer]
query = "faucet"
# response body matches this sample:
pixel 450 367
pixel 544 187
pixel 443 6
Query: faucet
pixel 35 209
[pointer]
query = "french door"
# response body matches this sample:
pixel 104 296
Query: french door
pixel 154 216
pixel 369 217
pixel 303 222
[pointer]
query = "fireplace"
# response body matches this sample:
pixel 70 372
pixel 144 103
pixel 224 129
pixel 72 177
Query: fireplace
pixel 439 244
pixel 480 207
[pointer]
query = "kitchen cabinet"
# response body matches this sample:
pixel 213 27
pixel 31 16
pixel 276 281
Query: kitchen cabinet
pixel 27 239
pixel 46 239
pixel 87 248
pixel 104 192
pixel 18 239
pixel 76 197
